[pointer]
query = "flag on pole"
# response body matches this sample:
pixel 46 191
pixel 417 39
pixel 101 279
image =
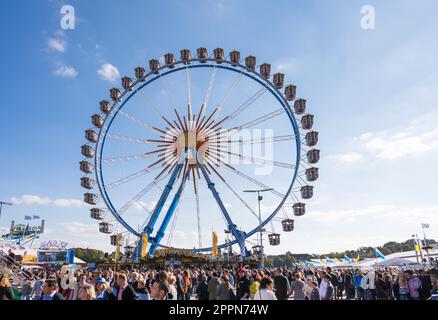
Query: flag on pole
pixel 417 248
pixel 357 258
pixel 144 244
pixel 379 254
pixel 214 247
pixel 346 258
pixel 27 218
pixel 36 217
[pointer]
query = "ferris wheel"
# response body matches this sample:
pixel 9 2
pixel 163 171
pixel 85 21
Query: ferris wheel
pixel 175 149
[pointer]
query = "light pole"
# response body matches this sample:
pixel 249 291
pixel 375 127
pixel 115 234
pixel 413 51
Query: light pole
pixel 426 247
pixel 260 198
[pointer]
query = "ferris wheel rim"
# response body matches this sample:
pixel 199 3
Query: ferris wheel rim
pixel 201 63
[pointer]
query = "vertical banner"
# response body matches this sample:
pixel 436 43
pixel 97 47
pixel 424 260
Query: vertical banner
pixel 214 246
pixel 144 244
pixel 117 252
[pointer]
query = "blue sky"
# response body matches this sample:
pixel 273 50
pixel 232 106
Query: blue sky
pixel 373 94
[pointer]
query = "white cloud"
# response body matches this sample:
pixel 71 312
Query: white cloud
pixel 390 146
pixel 29 199
pixel 57 45
pixel 347 157
pixel 108 72
pixel 65 72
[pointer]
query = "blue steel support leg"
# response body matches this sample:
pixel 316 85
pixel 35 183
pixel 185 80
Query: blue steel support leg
pixel 238 235
pixel 168 216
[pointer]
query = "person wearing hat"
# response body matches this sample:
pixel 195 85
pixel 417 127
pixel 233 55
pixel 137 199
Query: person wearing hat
pixel 243 285
pixel 101 286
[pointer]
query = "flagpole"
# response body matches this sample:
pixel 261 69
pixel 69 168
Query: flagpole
pixel 425 240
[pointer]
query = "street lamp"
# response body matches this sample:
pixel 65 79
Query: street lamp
pixel 260 198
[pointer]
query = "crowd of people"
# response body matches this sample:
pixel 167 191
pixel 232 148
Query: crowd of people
pixel 223 283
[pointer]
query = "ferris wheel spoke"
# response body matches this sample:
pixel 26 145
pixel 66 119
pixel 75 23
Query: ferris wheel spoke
pixel 258 160
pixel 138 121
pixel 126 138
pixel 222 139
pixel 241 174
pixel 248 102
pixel 139 195
pixel 131 157
pixel 208 93
pixel 259 120
pixel 129 178
pixel 229 92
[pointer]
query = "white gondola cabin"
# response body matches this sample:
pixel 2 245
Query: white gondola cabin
pixel 202 54
pixel 97 120
pixel 235 57
pixel 97 214
pixel 127 83
pixel 265 70
pixel 306 192
pixel 86 167
pixel 299 209
pixel 140 73
pixel 91 198
pixel 250 62
pixel 87 151
pixel 105 227
pixel 154 65
pixel 278 80
pixel 90 135
pixel 312 174
pixel 116 240
pixel 169 60
pixel 288 225
pixel 186 55
pixel 274 239
pixel 307 121
pixel 300 106
pixel 313 156
pixel 105 107
pixel 290 92
pixel 87 183
pixel 312 138
pixel 115 94
pixel 218 55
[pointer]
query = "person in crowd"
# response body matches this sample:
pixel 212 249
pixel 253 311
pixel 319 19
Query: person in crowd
pixel 87 292
pixel 314 294
pixel 6 292
pixel 297 288
pixel 187 284
pixel 403 286
pixel 281 285
pixel 426 285
pixel 101 289
pixel 243 285
pixel 173 293
pixel 213 284
pixel 202 289
pixel 179 285
pixel 414 285
pixel 140 290
pixel 159 290
pixel 225 289
pixel 255 285
pixel 358 280
pixel 266 291
pixel 328 290
pixel 381 288
pixel 27 288
pixel 49 291
pixel 124 292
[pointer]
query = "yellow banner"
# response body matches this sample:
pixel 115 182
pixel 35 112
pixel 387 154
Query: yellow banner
pixel 417 248
pixel 117 252
pixel 144 244
pixel 214 247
